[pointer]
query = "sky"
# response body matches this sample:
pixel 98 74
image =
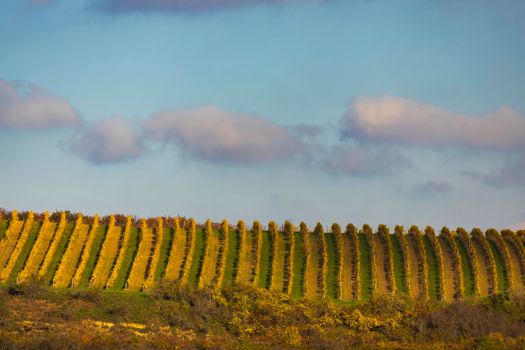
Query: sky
pixel 365 111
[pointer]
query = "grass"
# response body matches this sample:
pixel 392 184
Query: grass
pixel 299 266
pixel 466 265
pixel 399 271
pixel 433 276
pixel 165 248
pixel 197 259
pixel 125 268
pixel 332 271
pixel 265 260
pixel 501 271
pixel 365 267
pixel 3 227
pixel 59 252
pixel 24 254
pixel 232 257
pixel 93 256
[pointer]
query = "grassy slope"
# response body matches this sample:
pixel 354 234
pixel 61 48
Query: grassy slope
pixel 299 266
pixel 232 257
pixel 3 227
pixel 399 272
pixel 265 262
pixel 197 259
pixel 332 286
pixel 93 255
pixel 24 254
pixel 365 268
pixel 466 265
pixel 432 268
pixel 61 248
pixel 131 250
pixel 503 276
pixel 165 248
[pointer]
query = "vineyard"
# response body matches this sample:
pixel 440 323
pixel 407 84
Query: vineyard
pixel 117 252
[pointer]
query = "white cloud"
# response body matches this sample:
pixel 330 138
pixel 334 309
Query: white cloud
pixel 108 141
pixel 400 120
pixel 27 106
pixel 213 134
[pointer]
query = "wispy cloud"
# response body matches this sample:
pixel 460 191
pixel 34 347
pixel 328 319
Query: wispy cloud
pixel 186 6
pixel 111 140
pixel 430 189
pixel 24 105
pixel 405 121
pixel 357 161
pixel 511 174
pixel 216 135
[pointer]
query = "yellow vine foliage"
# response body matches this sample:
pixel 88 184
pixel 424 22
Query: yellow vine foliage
pixel 478 237
pixel 121 254
pixel 278 253
pixel 68 263
pixel 384 233
pixel 324 268
pixel 291 275
pixel 430 233
pixel 138 269
pixel 244 267
pixel 495 237
pixel 53 246
pixel 402 237
pixel 257 246
pixel 457 265
pixel 367 230
pixel 190 246
pixel 209 262
pixel 422 261
pixel 156 253
pixel 223 253
pixel 10 238
pixel 22 239
pixel 107 255
pixel 515 244
pixel 345 266
pixel 176 257
pixel 351 231
pixel 472 257
pixel 37 252
pixel 322 255
pixel 86 250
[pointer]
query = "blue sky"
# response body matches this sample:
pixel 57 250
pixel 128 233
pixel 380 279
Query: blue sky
pixel 397 112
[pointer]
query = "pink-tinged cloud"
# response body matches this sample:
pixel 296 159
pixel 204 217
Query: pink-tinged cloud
pixel 111 140
pixel 185 6
pixel 405 121
pixel 27 106
pixel 213 134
